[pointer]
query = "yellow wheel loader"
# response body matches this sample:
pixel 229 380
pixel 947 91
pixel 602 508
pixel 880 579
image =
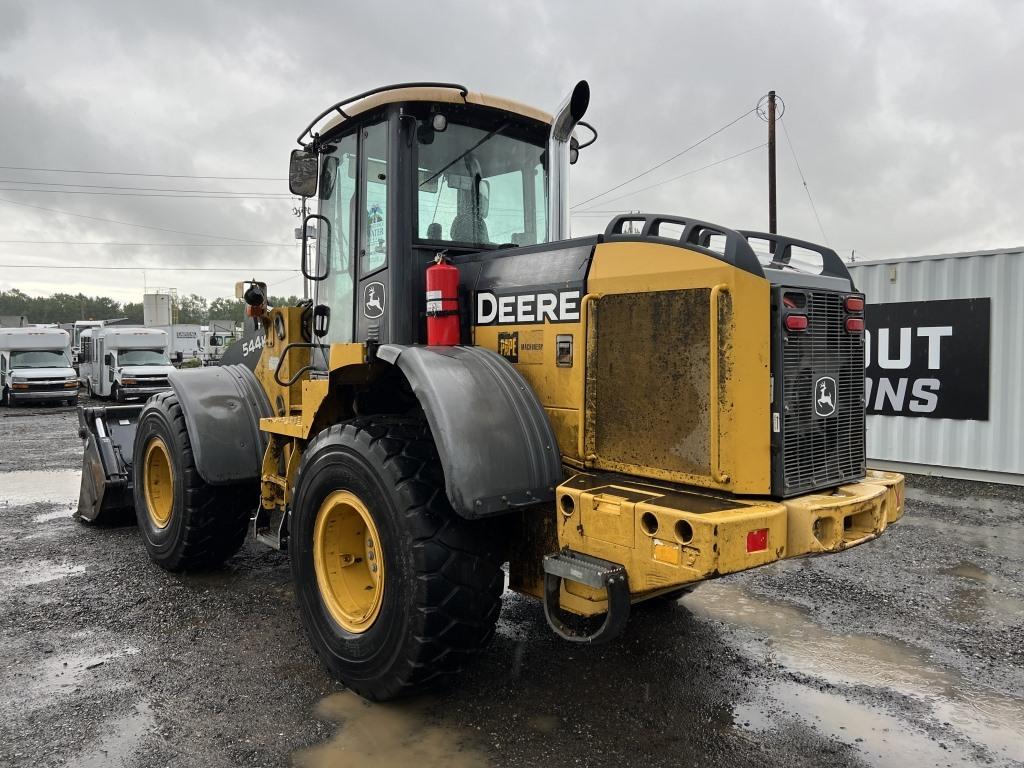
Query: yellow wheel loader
pixel 617 417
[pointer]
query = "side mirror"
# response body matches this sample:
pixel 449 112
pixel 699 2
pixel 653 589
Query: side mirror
pixel 302 172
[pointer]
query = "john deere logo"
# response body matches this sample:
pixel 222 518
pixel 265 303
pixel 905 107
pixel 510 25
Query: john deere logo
pixel 373 300
pixel 825 396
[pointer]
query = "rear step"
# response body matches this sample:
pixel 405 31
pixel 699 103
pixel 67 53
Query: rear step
pixel 592 572
pixel 107 490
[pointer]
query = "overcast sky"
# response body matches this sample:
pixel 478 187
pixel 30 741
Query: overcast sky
pixel 906 117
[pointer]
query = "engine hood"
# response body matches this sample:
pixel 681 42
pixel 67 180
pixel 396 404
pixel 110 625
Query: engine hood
pixel 37 374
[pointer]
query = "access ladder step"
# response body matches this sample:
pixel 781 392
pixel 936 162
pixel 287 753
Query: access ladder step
pixel 575 566
pixel 567 565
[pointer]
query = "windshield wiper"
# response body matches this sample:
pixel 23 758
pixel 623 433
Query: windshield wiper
pixel 493 133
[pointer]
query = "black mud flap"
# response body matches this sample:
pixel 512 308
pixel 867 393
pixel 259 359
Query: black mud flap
pixel 596 573
pixel 107 478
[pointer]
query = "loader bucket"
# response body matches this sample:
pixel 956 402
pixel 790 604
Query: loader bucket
pixel 106 496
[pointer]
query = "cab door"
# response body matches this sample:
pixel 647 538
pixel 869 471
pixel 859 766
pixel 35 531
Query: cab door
pixel 374 287
pixel 336 241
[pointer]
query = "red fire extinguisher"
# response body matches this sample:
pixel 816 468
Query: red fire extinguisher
pixel 442 303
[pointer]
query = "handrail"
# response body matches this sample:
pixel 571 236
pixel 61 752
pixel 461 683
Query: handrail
pixel 283 356
pixel 716 469
pixel 696 235
pixel 782 251
pixel 584 331
pixel 463 90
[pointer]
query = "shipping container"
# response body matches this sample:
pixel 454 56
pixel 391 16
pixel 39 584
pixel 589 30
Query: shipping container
pixel 945 362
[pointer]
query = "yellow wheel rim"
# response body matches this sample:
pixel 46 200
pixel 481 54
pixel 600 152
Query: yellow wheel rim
pixel 348 561
pixel 159 478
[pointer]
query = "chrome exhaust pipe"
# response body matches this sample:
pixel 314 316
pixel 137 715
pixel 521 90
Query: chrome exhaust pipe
pixel 568 114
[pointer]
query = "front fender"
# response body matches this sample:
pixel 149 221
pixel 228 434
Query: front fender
pixel 496 444
pixel 223 406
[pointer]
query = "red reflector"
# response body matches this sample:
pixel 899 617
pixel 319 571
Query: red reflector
pixel 854 304
pixel 796 322
pixel 855 324
pixel 757 541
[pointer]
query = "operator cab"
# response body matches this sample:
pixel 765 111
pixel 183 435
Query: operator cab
pixel 402 173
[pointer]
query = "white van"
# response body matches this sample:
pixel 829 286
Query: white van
pixel 35 364
pixel 124 363
pixel 80 327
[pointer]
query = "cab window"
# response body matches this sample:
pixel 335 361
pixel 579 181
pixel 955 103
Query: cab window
pixel 480 187
pixel 337 191
pixel 375 193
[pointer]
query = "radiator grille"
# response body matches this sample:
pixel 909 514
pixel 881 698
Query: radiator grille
pixel 819 451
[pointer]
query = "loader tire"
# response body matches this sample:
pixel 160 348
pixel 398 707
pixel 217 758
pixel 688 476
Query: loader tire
pixel 417 590
pixel 186 523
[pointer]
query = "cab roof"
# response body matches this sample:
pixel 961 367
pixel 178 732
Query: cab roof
pixel 450 93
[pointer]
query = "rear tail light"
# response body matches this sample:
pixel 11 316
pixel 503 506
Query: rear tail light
pixel 795 322
pixel 854 304
pixel 855 324
pixel 757 541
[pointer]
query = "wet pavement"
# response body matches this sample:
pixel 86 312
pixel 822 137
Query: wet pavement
pixel 907 651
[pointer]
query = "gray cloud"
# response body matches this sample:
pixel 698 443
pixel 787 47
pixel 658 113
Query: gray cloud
pixel 905 116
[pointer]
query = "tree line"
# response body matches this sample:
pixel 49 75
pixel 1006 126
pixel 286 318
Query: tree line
pixel 68 307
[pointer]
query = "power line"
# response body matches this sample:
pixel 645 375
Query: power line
pixel 676 178
pixel 269 196
pixel 134 189
pixel 247 268
pixel 666 161
pixel 147 245
pixel 153 175
pixel 130 224
pixel 806 188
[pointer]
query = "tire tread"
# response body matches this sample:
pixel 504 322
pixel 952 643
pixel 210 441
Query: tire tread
pixel 458 576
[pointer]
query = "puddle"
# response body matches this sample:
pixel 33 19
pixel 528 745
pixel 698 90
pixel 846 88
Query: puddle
pixel 63 513
pixel 544 723
pixel 31 486
pixel 39 572
pixel 119 740
pixel 882 739
pixel 794 640
pixel 967 571
pixel 1007 541
pixel 56 675
pixel 395 735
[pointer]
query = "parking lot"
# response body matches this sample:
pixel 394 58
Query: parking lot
pixel 905 651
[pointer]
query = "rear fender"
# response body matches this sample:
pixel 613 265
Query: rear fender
pixel 223 406
pixel 494 439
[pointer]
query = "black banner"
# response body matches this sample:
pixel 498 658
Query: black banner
pixel 929 358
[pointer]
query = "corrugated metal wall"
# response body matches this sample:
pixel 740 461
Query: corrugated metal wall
pixel 996 445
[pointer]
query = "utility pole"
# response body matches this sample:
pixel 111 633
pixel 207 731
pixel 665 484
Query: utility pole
pixel 772 220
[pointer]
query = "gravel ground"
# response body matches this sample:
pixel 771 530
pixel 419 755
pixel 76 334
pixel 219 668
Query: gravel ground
pixel 906 651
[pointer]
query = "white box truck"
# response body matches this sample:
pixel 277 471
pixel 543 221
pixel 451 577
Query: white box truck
pixel 35 365
pixel 216 340
pixel 184 342
pixel 124 363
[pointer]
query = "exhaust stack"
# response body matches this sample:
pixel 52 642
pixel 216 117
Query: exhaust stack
pixel 568 114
